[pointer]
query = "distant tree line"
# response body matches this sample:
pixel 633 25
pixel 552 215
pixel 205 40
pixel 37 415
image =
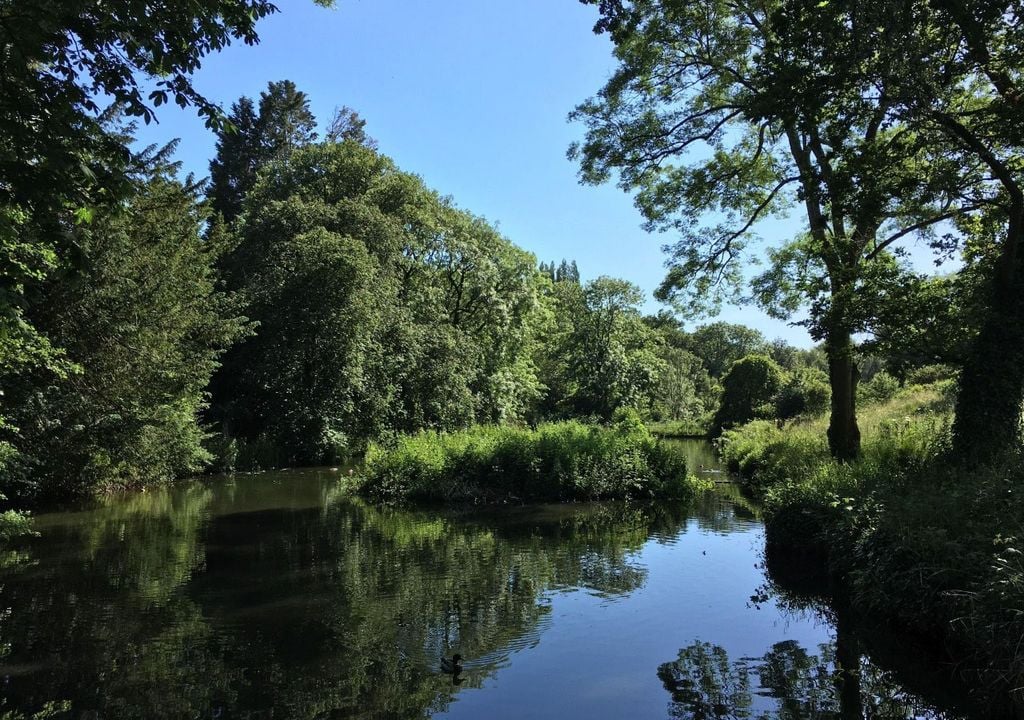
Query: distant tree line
pixel 309 298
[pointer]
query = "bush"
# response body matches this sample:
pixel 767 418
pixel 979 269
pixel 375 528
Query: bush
pixel 555 462
pixel 805 392
pixel 881 387
pixel 748 390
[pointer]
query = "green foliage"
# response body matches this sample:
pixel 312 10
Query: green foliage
pixel 720 115
pixel 748 389
pixel 720 344
pixel 881 387
pixel 918 541
pixel 685 390
pixel 144 325
pixel 282 124
pixel 595 353
pixel 804 392
pixel 380 306
pixel 557 461
pixel 678 428
pixel 62 162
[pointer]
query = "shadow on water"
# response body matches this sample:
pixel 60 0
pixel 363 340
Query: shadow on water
pixel 866 671
pixel 277 596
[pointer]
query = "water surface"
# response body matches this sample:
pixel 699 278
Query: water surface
pixel 275 596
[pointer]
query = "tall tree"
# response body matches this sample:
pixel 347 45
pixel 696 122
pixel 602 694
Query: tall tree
pixel 948 73
pixel 143 325
pixel 239 154
pixel 611 354
pixel 58 164
pixel 252 138
pixel 285 121
pixel 381 307
pixel 729 108
pixel 977 48
pixel 348 125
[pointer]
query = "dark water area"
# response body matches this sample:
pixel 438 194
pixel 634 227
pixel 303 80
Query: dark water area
pixel 276 596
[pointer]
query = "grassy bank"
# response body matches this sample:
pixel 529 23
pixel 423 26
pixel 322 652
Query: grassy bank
pixel 555 462
pixel 917 541
pixel 680 428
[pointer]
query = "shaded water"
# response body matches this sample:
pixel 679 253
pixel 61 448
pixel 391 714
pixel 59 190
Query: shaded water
pixel 276 596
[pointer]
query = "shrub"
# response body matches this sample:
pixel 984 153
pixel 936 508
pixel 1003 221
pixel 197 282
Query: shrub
pixel 881 387
pixel 805 392
pixel 748 390
pixel 556 461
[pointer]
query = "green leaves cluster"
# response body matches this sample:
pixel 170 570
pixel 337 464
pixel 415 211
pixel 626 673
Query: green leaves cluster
pixel 141 326
pixel 379 307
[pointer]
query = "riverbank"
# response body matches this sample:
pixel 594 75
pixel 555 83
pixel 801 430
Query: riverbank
pixel 555 462
pixel 680 429
pixel 914 540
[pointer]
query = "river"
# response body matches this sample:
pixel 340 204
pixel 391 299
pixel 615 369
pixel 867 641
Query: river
pixel 276 596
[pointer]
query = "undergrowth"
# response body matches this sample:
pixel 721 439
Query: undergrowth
pixel 916 538
pixel 556 462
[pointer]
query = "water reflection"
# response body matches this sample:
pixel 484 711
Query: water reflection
pixel 793 683
pixel 276 596
pixel 281 598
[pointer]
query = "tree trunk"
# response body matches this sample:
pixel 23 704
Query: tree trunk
pixel 843 433
pixel 991 395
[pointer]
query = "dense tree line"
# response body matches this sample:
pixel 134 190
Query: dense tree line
pixel 312 296
pixel 309 298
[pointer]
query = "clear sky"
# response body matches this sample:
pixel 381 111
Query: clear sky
pixel 472 95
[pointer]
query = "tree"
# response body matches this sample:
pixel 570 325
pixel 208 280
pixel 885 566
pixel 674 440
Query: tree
pixel 685 390
pixel 143 325
pixel 239 155
pixel 381 308
pixel 348 125
pixel 58 164
pixel 721 344
pixel 756 115
pixel 283 123
pixel 748 389
pixel 977 48
pixel 803 392
pixel 60 58
pixel 610 354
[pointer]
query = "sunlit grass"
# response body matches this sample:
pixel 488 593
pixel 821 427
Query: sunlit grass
pixel 555 461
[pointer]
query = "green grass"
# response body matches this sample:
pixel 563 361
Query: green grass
pixel 917 540
pixel 555 462
pixel 679 428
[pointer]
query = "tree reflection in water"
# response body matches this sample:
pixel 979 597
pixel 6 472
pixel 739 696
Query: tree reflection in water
pixel 304 604
pixel 786 683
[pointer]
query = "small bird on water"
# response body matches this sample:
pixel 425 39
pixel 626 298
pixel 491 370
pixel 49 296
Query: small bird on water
pixel 452 666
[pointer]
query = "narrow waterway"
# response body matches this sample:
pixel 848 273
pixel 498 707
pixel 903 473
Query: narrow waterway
pixel 275 596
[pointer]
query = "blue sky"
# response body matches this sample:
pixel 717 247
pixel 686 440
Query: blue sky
pixel 472 96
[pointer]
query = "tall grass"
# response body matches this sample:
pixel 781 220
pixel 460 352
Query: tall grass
pixel 916 539
pixel 556 461
pixel 681 428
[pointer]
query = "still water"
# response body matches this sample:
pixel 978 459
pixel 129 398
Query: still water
pixel 275 596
